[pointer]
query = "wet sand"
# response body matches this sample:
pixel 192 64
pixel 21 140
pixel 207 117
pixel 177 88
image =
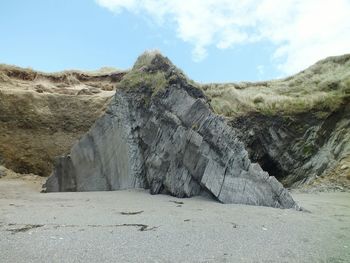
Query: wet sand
pixel 134 226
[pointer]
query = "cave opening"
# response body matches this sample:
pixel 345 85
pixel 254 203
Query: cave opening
pixel 271 166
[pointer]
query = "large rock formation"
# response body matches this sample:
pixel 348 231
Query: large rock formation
pixel 159 132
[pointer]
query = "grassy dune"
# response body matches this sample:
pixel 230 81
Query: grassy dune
pixel 322 88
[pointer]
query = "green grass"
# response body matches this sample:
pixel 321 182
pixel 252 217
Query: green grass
pixel 155 81
pixel 152 71
pixel 144 74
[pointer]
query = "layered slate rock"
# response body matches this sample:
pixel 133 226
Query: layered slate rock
pixel 163 136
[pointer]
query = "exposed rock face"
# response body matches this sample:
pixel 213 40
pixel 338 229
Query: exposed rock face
pixel 299 149
pixel 167 140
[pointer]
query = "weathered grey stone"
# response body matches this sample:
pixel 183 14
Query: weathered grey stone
pixel 297 150
pixel 173 144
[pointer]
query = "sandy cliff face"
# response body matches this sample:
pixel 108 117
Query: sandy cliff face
pixel 41 115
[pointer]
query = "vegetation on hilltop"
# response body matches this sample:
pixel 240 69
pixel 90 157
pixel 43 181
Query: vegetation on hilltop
pixel 322 88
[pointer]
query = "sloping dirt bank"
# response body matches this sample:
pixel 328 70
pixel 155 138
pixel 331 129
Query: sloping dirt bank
pixel 41 115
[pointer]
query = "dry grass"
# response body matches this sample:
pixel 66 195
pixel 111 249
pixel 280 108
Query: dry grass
pixel 322 87
pixel 145 59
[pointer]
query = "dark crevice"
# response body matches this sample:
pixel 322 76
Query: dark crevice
pixel 272 167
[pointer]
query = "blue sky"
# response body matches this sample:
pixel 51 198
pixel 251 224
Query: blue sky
pixel 212 41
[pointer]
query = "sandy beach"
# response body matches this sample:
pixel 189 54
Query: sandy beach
pixel 134 226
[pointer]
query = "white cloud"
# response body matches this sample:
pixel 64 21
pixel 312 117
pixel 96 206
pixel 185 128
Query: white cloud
pixel 303 31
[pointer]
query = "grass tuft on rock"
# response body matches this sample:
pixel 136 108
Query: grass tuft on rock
pixel 138 79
